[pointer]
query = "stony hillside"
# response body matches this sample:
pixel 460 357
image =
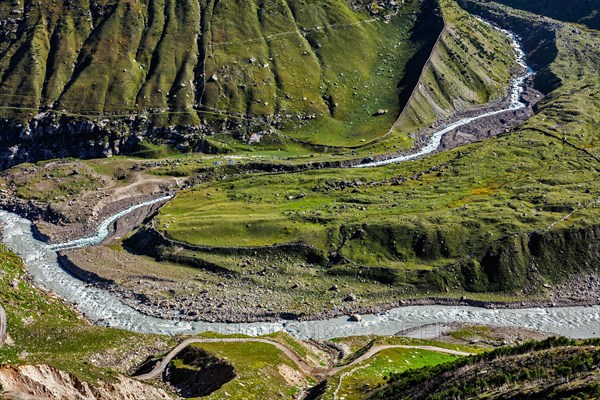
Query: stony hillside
pixel 580 11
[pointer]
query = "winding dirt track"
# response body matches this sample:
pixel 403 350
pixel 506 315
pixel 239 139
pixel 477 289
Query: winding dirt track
pixel 376 349
pixel 317 371
pixel 2 326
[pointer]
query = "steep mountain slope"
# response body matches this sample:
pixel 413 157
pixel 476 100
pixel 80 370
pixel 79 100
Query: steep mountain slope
pixel 177 59
pixel 567 61
pixel 86 78
pixel 581 11
pixel 470 65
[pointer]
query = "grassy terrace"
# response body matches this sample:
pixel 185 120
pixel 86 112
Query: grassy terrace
pixel 469 197
pixel 356 383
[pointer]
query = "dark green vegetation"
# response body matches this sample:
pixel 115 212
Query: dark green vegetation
pixel 583 11
pixel 556 368
pixel 197 373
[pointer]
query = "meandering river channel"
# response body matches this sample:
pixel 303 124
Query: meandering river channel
pixel 103 308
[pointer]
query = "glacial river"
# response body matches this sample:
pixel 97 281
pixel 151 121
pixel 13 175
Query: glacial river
pixel 517 88
pixel 104 308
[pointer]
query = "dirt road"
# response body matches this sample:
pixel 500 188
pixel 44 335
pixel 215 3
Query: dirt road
pixel 317 371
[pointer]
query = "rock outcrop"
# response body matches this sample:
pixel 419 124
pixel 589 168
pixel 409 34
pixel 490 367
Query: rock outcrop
pixel 43 382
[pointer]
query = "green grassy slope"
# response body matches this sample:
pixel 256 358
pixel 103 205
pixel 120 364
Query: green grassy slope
pixel 358 382
pixel 554 369
pixel 316 70
pixel 333 73
pixel 430 213
pixel 470 65
pixel 568 66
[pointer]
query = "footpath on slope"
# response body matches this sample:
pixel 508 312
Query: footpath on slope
pixel 318 371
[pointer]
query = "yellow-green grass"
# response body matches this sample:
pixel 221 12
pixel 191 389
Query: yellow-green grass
pixel 473 195
pixel 257 367
pixel 357 382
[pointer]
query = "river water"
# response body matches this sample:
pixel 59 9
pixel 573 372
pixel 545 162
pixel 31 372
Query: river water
pixel 104 308
pixel 517 88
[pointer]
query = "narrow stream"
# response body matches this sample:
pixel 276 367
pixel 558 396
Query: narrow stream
pixel 517 88
pixel 102 230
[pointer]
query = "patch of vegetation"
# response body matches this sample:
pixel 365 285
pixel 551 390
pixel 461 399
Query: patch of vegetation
pixel 363 379
pixel 553 368
pixel 152 151
pixel 43 330
pixel 260 370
